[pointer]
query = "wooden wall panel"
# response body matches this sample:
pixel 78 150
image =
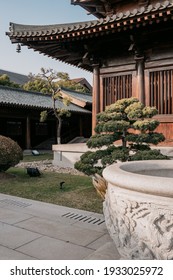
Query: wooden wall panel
pixel 161 90
pixel 167 130
pixel 116 87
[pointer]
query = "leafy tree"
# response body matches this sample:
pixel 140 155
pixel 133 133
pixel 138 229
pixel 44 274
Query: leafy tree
pixel 50 82
pixel 37 83
pixel 47 81
pixel 130 122
pixel 5 81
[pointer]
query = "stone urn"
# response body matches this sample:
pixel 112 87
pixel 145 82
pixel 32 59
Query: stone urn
pixel 138 208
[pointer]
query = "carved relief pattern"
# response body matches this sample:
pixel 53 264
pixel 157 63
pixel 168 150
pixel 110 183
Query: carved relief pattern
pixel 140 230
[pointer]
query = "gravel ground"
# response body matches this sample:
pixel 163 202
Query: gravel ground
pixel 46 165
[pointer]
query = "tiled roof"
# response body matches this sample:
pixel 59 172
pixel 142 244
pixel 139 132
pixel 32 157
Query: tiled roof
pixel 15 77
pixel 99 8
pixel 26 99
pixel 117 20
pixel 83 82
pixel 80 96
pixel 76 43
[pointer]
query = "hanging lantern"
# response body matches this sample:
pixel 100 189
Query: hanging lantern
pixel 18 48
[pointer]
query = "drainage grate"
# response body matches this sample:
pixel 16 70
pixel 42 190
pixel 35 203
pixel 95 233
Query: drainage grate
pixel 83 218
pixel 15 203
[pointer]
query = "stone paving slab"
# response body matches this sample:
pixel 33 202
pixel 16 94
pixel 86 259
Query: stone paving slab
pixel 36 230
pixel 10 217
pixel 10 254
pixel 60 231
pixel 42 209
pixel 50 248
pixel 106 252
pixel 13 237
pixel 104 239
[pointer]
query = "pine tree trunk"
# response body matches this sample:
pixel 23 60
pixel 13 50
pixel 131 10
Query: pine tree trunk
pixel 124 142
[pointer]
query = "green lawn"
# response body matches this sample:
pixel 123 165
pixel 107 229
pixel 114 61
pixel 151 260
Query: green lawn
pixel 43 156
pixel 78 191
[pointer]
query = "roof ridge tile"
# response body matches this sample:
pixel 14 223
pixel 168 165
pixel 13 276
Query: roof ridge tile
pixel 18 30
pixel 20 97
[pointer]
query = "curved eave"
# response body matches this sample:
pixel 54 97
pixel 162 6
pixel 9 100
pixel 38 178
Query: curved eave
pixel 25 106
pixel 73 30
pixel 66 42
pixel 55 49
pixel 96 8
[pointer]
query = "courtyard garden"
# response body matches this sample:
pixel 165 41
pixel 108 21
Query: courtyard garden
pixel 76 192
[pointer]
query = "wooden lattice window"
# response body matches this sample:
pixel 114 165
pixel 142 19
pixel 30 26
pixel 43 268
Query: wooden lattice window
pixel 117 87
pixel 161 91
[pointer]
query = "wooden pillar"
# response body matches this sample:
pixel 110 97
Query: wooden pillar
pixel 140 79
pixel 28 133
pixel 96 95
pixel 80 126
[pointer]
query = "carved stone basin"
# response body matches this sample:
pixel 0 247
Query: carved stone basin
pixel 138 208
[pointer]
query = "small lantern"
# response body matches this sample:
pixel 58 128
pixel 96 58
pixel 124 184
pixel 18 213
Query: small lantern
pixel 18 48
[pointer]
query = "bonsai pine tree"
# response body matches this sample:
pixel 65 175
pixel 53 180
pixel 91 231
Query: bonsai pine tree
pixel 130 123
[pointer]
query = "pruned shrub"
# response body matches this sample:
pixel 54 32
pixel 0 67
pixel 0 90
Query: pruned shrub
pixel 10 153
pixel 129 122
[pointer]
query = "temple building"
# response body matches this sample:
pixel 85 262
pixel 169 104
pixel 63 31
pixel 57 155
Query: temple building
pixel 20 117
pixel 128 48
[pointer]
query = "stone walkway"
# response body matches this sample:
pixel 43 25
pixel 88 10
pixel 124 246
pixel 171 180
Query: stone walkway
pixel 42 231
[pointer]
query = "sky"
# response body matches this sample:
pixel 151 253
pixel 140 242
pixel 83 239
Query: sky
pixel 37 12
